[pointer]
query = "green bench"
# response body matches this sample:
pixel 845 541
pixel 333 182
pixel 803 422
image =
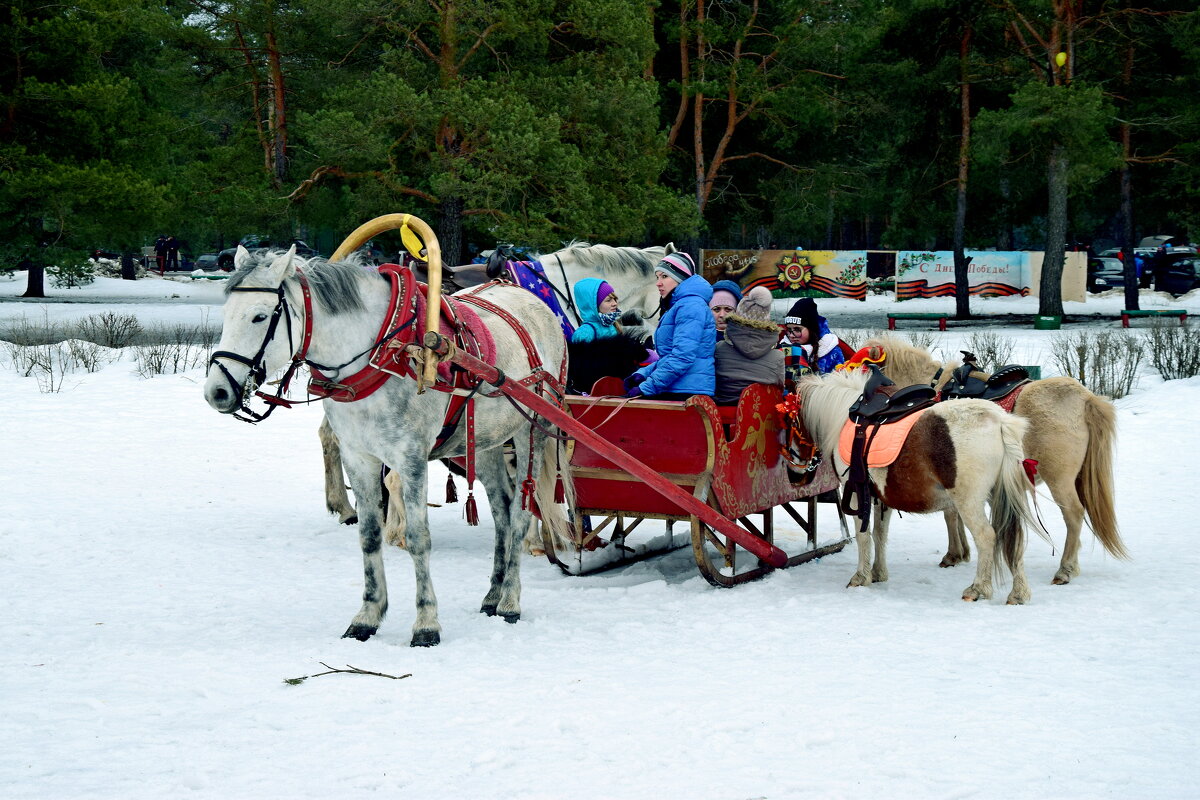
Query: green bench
pixel 209 277
pixel 895 315
pixel 1126 313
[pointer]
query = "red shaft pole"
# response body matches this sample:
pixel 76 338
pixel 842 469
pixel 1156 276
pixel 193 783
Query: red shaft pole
pixel 762 549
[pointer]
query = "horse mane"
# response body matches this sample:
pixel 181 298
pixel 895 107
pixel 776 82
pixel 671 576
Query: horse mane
pixel 606 259
pixel 908 364
pixel 335 285
pixel 825 400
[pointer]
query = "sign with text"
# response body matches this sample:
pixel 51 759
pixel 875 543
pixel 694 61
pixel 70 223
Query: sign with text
pixel 791 273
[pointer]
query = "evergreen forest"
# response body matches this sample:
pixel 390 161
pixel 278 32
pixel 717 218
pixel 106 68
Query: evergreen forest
pixel 843 124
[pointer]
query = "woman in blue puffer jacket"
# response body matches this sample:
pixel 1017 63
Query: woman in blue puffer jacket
pixel 685 338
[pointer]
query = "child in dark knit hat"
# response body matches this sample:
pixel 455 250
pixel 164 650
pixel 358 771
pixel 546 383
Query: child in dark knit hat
pixel 810 345
pixel 749 354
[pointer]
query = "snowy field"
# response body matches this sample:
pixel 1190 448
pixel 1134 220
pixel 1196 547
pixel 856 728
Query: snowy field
pixel 165 569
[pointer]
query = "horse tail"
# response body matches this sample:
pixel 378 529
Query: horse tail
pixel 555 472
pixel 1011 513
pixel 1094 483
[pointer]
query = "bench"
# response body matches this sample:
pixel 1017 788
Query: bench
pixel 895 315
pixel 1126 313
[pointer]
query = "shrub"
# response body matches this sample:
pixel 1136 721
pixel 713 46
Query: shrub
pixel 180 348
pixel 1174 350
pixel 991 350
pixel 109 329
pixel 1106 361
pixel 71 276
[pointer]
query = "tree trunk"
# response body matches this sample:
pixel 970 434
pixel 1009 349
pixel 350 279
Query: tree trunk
pixel 962 288
pixel 1132 282
pixel 128 270
pixel 35 285
pixel 278 122
pixel 1050 300
pixel 450 227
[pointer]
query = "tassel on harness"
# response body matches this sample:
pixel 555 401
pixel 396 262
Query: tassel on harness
pixel 451 490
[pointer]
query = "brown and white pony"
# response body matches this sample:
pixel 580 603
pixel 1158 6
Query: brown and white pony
pixel 1072 434
pixel 959 455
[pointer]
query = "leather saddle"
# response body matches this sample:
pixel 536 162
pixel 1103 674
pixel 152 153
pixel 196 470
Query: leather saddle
pixel 882 401
pixel 969 382
pixel 454 278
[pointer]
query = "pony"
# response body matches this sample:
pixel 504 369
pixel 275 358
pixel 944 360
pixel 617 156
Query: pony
pixel 394 425
pixel 629 269
pixel 957 456
pixel 1072 435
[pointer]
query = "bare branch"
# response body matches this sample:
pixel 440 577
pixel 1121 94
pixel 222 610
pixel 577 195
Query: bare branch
pixel 350 670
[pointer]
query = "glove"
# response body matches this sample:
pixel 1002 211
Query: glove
pixel 634 391
pixel 633 380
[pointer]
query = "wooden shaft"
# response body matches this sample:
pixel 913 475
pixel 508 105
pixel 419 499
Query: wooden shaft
pixel 535 402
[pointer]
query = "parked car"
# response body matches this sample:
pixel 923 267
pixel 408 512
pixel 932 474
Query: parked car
pixel 206 262
pixel 1105 273
pixel 258 242
pixel 1165 245
pixel 1177 273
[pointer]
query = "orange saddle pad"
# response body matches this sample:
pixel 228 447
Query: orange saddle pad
pixel 886 445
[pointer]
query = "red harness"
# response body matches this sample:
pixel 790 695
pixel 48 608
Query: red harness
pixel 390 357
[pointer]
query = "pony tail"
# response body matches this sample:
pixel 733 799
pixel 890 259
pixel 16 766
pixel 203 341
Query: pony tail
pixel 1095 480
pixel 1011 513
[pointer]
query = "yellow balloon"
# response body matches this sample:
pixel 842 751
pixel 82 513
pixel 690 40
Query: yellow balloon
pixel 1060 59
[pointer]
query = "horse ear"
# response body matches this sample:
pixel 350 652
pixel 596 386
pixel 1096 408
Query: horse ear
pixel 670 248
pixel 240 256
pixel 283 267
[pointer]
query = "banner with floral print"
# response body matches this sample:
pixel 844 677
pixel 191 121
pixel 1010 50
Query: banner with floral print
pixel 791 273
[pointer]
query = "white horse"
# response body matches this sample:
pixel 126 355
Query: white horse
pixel 630 271
pixel 395 425
pixel 958 455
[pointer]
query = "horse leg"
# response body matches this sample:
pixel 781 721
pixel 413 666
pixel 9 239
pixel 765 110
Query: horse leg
pixel 863 576
pixel 495 473
pixel 414 485
pixel 957 549
pixel 1063 491
pixel 882 516
pixel 394 519
pixel 985 544
pixel 363 471
pixel 336 499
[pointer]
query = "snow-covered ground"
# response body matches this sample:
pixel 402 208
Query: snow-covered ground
pixel 165 569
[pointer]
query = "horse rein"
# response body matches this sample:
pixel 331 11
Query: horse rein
pixel 258 370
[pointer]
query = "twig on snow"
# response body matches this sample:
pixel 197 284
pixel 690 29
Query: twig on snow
pixel 352 670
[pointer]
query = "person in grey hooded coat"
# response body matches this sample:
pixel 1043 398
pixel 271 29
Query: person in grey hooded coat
pixel 748 353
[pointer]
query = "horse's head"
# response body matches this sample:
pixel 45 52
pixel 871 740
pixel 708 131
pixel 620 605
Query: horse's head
pixel 256 331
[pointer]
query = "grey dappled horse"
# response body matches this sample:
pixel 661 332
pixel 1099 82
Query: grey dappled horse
pixel 395 425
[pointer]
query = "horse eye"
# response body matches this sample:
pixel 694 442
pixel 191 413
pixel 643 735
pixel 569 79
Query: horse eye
pixel 259 318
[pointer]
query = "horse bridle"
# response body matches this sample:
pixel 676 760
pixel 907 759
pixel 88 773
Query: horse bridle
pixel 258 370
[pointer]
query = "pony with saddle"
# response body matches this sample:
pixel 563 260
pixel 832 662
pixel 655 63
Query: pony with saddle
pixel 356 329
pixel 898 450
pixel 549 277
pixel 1071 435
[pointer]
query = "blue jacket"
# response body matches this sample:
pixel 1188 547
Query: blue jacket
pixel 685 340
pixel 590 327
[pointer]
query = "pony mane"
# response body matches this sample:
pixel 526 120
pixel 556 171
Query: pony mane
pixel 826 400
pixel 335 285
pixel 605 258
pixel 908 364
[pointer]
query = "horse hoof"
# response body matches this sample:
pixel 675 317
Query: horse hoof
pixel 488 609
pixel 512 618
pixel 351 520
pixel 1060 580
pixel 425 639
pixel 360 632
